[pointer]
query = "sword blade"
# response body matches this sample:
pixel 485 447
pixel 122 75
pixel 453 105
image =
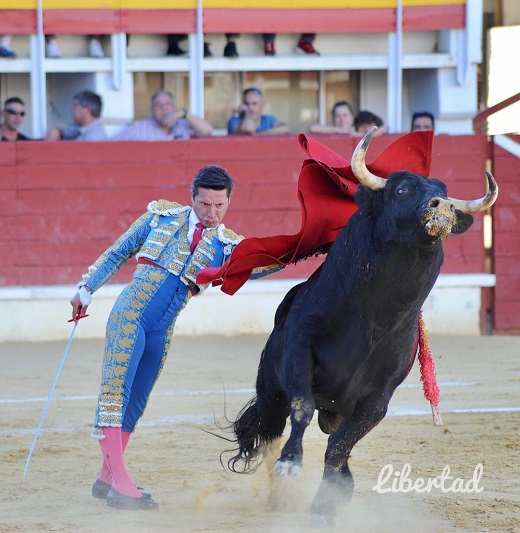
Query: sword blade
pixel 63 357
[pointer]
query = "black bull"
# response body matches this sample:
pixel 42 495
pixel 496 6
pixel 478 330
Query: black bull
pixel 347 337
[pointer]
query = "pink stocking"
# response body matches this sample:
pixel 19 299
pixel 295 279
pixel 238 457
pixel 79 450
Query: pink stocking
pixel 125 437
pixel 105 475
pixel 112 449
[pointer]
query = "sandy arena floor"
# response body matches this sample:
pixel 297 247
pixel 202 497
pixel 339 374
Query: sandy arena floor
pixel 172 458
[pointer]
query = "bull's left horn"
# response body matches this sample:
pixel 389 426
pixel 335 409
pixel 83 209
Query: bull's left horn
pixel 476 206
pixel 359 167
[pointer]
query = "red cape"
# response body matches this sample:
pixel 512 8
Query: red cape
pixel 326 188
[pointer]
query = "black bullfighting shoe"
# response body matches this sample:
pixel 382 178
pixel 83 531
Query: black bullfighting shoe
pixel 121 501
pixel 100 490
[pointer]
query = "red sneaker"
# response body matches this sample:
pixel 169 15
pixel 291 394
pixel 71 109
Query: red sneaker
pixel 269 49
pixel 306 48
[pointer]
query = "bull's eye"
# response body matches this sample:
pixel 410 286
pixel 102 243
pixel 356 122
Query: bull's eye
pixel 399 191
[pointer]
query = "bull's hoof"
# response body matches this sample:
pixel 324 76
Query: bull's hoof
pixel 287 468
pixel 322 521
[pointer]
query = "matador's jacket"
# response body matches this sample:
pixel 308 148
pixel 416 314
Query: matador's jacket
pixel 160 236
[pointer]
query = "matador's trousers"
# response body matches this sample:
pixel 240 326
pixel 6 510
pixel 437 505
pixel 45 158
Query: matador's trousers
pixel 138 336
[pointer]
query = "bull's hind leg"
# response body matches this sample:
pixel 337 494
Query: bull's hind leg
pixel 298 381
pixel 337 485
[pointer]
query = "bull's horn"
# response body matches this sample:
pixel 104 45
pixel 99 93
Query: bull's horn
pixel 359 167
pixel 475 206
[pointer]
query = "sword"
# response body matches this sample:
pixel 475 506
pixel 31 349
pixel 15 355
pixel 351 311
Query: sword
pixel 63 357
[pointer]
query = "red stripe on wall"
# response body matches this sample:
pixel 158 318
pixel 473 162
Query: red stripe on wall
pixel 17 22
pixel 106 21
pixel 421 18
pixel 82 21
pixel 298 20
pixel 159 21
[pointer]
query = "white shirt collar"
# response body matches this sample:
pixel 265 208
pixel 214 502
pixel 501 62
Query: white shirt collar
pixel 193 220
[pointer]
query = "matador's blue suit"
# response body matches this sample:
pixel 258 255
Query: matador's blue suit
pixel 141 323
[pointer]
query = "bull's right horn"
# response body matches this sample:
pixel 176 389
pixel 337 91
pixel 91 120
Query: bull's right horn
pixel 359 167
pixel 476 206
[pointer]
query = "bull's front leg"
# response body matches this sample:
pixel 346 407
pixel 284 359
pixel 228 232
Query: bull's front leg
pixel 337 484
pixel 298 379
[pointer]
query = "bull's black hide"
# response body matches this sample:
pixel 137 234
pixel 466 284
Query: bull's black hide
pixel 347 337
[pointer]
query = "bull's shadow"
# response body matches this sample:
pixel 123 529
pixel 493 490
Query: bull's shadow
pixel 346 338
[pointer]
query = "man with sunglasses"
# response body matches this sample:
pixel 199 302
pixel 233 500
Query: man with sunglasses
pixel 13 116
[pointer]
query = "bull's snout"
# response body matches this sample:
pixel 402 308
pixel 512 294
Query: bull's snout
pixel 442 206
pixel 440 217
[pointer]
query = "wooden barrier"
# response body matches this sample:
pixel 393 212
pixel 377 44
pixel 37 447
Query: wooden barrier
pixel 62 204
pixel 506 237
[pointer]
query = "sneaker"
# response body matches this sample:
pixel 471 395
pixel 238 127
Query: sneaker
pixel 304 47
pixel 207 51
pixel 175 50
pixel 52 50
pixel 269 49
pixel 7 53
pixel 230 50
pixel 95 49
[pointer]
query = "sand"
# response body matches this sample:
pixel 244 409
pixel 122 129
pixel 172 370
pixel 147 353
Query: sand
pixel 209 378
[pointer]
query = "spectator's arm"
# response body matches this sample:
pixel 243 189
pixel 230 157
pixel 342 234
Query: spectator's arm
pixel 277 129
pixel 54 134
pixel 202 127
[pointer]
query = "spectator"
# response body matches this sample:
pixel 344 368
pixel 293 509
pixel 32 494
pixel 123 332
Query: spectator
pixel 249 119
pixel 86 110
pixel 13 116
pixel 366 120
pixel 167 123
pixel 5 47
pixel 342 118
pixel 230 50
pixel 52 49
pixel 305 44
pixel 423 121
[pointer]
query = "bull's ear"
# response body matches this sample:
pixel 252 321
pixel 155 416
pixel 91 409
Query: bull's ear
pixel 464 221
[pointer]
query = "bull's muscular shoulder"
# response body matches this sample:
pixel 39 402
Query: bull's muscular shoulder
pixel 228 236
pixel 166 208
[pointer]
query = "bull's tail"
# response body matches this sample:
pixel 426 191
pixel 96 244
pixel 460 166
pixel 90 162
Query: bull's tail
pixel 252 435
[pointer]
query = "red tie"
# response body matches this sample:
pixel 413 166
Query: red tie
pixel 197 234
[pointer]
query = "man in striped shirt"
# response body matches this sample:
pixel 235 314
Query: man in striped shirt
pixel 167 123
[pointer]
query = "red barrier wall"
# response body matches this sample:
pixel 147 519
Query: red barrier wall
pixel 506 258
pixel 62 204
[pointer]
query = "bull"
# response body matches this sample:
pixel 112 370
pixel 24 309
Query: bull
pixel 346 338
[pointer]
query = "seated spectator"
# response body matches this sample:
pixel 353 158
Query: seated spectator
pixel 366 120
pixel 5 47
pixel 423 121
pixel 305 44
pixel 230 50
pixel 342 118
pixel 12 119
pixel 86 110
pixel 52 49
pixel 167 123
pixel 249 119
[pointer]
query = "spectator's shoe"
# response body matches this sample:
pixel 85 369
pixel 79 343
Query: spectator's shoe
pixel 269 49
pixel 207 51
pixel 230 50
pixel 175 50
pixel 7 53
pixel 95 49
pixel 306 48
pixel 52 50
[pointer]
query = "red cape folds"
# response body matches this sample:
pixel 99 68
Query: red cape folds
pixel 326 188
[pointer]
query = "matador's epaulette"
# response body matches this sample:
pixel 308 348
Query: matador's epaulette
pixel 166 208
pixel 228 236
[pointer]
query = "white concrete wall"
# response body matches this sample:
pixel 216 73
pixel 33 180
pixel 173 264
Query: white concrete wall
pixel 41 313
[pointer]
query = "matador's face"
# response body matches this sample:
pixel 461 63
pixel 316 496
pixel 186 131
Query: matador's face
pixel 210 206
